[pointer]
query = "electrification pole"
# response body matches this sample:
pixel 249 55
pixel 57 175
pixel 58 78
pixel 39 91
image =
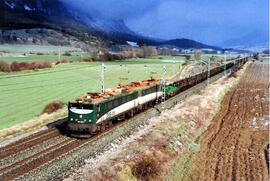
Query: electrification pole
pixel 81 55
pixel 59 55
pixel 174 67
pixel 102 75
pixel 225 63
pixel 164 83
pixel 208 76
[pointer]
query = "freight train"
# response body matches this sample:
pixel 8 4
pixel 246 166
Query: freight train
pixel 95 112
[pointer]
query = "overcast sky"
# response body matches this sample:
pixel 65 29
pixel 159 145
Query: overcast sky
pixel 209 21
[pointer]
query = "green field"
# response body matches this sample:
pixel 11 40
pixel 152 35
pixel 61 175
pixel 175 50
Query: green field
pixel 28 53
pixel 47 57
pixel 264 58
pixel 16 48
pixel 79 56
pixel 24 95
pixel 31 53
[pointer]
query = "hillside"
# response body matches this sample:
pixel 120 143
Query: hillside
pixel 53 22
pixel 28 14
pixel 187 43
pixel 254 40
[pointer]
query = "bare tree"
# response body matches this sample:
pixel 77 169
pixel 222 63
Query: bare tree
pixel 197 55
pixel 147 51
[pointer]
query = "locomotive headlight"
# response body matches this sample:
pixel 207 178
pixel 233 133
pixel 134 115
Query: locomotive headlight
pixel 71 119
pixel 80 116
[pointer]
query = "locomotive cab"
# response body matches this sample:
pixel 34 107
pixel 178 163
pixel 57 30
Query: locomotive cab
pixel 81 119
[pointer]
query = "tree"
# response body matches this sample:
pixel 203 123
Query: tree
pixel 187 58
pixel 147 51
pixel 197 55
pixel 266 51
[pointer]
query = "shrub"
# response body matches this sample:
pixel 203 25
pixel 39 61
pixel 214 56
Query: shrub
pixel 146 52
pixel 4 66
pixel 15 67
pixel 88 59
pixel 61 62
pixel 42 65
pixel 52 107
pixel 104 57
pixel 146 167
pixel 187 57
pixel 66 54
pixel 129 54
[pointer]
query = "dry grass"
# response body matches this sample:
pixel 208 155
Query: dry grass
pixel 53 107
pixel 146 167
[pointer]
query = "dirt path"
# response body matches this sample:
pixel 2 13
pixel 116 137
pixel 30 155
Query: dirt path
pixel 234 146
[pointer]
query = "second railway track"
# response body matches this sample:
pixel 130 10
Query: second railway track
pixel 21 168
pixel 28 142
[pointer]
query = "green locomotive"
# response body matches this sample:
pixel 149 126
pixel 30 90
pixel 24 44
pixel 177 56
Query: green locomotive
pixel 94 112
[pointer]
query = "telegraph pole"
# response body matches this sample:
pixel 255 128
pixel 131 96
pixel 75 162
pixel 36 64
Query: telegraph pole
pixel 239 61
pixel 102 75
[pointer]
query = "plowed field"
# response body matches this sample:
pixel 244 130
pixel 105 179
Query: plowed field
pixel 234 147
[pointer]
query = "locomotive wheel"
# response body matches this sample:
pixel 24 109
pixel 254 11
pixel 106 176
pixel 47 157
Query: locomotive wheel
pixel 102 127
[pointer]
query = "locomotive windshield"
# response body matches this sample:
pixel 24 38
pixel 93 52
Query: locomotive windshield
pixel 80 106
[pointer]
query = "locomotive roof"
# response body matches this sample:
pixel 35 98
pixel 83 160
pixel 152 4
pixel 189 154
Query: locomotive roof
pixel 95 98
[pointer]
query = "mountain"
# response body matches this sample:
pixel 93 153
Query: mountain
pixel 54 18
pixel 253 40
pixel 53 14
pixel 187 43
pixel 34 13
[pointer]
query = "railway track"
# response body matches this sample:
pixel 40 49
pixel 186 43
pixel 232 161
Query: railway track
pixel 23 166
pixel 28 142
pixel 27 153
pixel 28 138
pixel 19 168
